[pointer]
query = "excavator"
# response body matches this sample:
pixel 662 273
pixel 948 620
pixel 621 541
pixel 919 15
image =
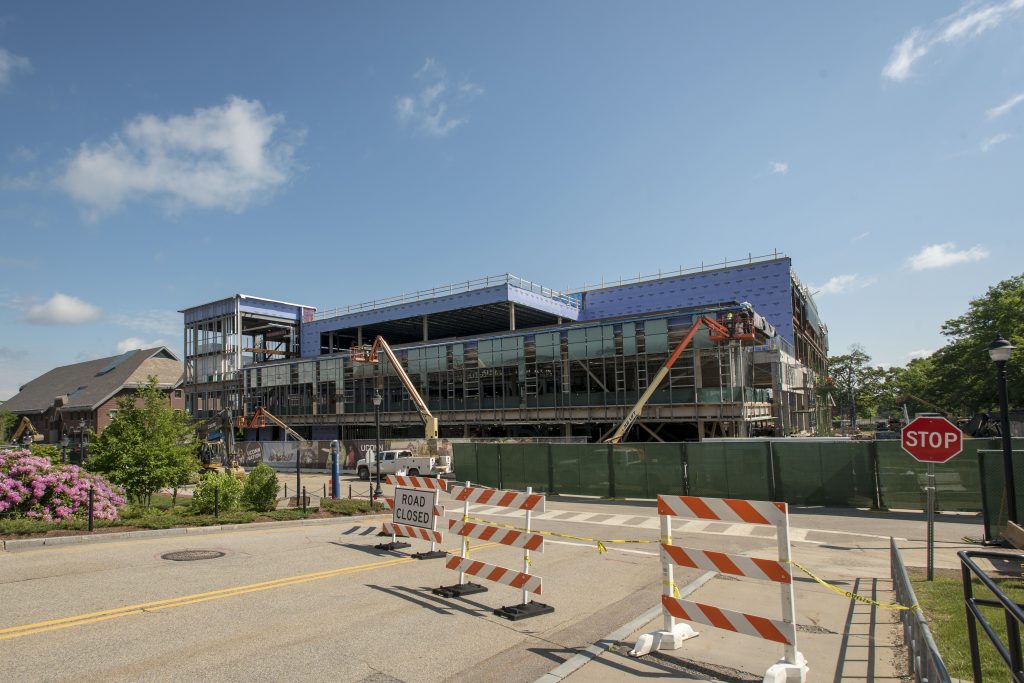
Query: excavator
pixel 25 428
pixel 369 354
pixel 731 326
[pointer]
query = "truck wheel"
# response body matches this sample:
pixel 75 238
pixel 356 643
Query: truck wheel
pixel 414 472
pixel 364 473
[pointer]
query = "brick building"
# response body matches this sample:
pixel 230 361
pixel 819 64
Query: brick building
pixel 73 398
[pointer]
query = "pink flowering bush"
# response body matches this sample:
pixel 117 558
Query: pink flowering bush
pixel 34 487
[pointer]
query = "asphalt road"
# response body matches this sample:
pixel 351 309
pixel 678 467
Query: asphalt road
pixel 314 602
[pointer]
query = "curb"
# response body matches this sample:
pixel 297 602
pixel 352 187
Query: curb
pixel 20 544
pixel 591 653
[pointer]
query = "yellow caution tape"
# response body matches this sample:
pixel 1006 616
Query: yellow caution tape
pixel 600 543
pixel 848 594
pixel 672 585
pixel 602 549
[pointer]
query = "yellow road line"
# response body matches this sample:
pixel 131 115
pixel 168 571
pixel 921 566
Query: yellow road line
pixel 181 601
pixel 164 539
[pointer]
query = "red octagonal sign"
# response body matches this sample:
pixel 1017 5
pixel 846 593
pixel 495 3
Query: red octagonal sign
pixel 932 439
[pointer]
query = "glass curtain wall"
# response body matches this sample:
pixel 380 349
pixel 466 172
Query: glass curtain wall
pixel 597 365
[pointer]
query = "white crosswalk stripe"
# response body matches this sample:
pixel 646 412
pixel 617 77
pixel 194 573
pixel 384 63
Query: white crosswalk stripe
pixel 681 526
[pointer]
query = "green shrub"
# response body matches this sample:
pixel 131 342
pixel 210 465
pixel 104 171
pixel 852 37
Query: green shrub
pixel 260 489
pixel 230 493
pixel 45 450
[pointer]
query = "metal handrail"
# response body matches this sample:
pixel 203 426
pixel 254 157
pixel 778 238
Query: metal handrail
pixel 1012 612
pixel 449 289
pixel 924 660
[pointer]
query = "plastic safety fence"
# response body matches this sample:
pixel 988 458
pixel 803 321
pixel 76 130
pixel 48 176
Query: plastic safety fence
pixel 823 473
pixel 993 487
pixel 902 479
pixel 837 472
pixel 721 469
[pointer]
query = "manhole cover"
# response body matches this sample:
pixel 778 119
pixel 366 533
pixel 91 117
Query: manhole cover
pixel 192 555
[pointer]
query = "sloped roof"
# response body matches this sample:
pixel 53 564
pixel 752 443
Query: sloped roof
pixel 92 382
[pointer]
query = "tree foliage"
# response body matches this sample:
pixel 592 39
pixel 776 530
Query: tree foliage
pixel 853 383
pixel 148 445
pixel 958 380
pixel 222 487
pixel 260 490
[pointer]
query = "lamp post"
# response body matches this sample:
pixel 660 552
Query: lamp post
pixel 81 440
pixel 999 351
pixel 377 400
pixel 64 449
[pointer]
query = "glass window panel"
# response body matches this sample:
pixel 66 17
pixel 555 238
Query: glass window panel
pixel 656 334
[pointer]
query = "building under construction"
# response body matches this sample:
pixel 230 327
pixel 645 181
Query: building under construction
pixel 502 356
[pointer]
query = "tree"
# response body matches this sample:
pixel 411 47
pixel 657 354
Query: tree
pixel 853 384
pixel 148 445
pixel 8 422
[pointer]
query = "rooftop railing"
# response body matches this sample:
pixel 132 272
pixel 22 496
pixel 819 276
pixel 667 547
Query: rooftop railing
pixel 703 267
pixel 448 290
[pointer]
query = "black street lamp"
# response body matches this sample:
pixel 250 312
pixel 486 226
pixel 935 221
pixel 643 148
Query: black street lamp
pixel 377 400
pixel 999 351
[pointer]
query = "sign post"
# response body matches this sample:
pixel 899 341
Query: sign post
pixel 931 440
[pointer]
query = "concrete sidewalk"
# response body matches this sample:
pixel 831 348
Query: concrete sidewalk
pixel 843 640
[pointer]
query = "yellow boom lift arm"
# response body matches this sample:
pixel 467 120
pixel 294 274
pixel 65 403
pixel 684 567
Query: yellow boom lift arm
pixel 719 332
pixel 369 354
pixel 260 419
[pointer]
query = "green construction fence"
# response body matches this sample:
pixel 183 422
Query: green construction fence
pixel 829 472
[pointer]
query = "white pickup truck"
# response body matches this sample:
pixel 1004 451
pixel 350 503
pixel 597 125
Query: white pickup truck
pixel 402 462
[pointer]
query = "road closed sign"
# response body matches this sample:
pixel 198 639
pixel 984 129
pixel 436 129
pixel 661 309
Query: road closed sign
pixel 414 507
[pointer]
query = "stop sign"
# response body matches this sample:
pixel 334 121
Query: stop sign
pixel 931 439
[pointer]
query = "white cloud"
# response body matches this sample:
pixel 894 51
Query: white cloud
pixel 780 167
pixel 430 110
pixel 222 157
pixel 1005 107
pixel 998 139
pixel 154 321
pixel 61 309
pixel 10 64
pixel 22 153
pixel 842 283
pixel 861 236
pixel 945 255
pixel 919 353
pixel 132 343
pixel 967 23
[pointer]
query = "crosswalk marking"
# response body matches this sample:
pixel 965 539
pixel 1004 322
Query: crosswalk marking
pixel 681 526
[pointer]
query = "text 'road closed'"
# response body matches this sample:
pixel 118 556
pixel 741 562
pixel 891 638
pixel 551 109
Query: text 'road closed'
pixel 414 507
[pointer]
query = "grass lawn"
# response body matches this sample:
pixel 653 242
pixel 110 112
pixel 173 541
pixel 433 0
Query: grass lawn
pixel 943 603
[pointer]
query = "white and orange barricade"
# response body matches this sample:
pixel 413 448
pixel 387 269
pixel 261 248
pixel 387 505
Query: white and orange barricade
pixel 792 667
pixel 415 514
pixel 515 538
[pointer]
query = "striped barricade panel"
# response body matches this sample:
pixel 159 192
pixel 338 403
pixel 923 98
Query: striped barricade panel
pixel 418 482
pixel 728 620
pixel 485 532
pixel 412 532
pixel 738 565
pixel 499 498
pixel 723 509
pixel 438 509
pixel 490 572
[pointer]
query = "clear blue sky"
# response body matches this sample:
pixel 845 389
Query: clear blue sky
pixel 157 156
